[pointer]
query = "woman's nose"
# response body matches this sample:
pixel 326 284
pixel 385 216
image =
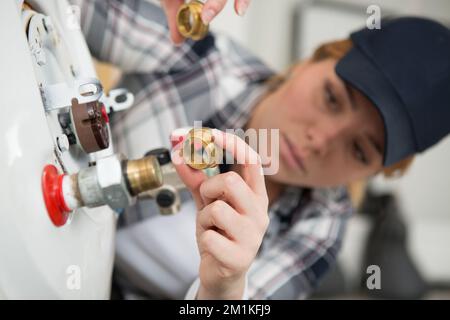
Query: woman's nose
pixel 316 142
pixel 320 139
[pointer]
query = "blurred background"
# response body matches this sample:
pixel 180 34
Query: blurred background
pixel 404 224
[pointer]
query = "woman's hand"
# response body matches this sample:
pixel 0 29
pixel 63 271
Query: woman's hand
pixel 210 10
pixel 231 221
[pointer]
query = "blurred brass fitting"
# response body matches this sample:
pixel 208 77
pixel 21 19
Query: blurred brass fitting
pixel 143 174
pixel 189 21
pixel 199 150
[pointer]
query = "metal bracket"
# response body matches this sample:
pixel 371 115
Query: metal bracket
pixel 60 95
pixel 117 100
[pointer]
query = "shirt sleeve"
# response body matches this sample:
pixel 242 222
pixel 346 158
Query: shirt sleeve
pixel 132 35
pixel 296 262
pixel 193 290
pixel 215 72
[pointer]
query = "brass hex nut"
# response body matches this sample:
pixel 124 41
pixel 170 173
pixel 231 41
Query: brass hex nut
pixel 112 182
pixel 189 21
pixel 199 150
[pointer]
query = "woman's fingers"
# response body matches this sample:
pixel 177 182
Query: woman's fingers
pixel 222 216
pixel 227 253
pixel 211 9
pixel 228 192
pixel 231 188
pixel 241 6
pixel 171 9
pixel 190 177
pixel 246 156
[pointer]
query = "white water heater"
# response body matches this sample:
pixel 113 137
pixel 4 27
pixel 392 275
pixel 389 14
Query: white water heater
pixel 57 166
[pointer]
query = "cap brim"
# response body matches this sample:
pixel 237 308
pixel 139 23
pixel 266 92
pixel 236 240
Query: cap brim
pixel 357 70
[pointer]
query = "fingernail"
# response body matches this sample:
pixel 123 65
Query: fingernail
pixel 242 8
pixel 208 15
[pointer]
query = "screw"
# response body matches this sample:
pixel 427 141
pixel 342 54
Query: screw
pixel 63 143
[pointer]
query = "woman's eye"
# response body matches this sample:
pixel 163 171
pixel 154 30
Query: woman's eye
pixel 359 153
pixel 330 98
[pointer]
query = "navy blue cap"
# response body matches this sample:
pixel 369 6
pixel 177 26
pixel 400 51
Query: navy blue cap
pixel 404 69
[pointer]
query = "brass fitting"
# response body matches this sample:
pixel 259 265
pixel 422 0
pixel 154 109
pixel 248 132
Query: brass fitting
pixel 189 21
pixel 143 174
pixel 199 150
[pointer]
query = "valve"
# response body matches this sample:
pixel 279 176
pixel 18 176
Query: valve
pixel 167 196
pixel 113 181
pixel 90 123
pixel 117 182
pixel 199 152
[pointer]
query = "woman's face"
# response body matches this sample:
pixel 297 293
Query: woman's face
pixel 330 134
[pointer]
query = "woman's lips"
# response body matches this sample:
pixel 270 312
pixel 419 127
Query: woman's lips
pixel 291 155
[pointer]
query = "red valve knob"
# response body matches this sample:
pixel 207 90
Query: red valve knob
pixel 53 195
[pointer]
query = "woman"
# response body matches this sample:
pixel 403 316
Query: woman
pixel 356 108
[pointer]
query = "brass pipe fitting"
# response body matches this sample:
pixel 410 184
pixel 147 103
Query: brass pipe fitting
pixel 199 150
pixel 143 174
pixel 189 21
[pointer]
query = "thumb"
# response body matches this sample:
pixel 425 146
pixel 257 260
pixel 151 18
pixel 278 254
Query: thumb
pixel 191 178
pixel 170 8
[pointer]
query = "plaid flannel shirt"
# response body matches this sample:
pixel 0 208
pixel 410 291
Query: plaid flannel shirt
pixel 216 81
